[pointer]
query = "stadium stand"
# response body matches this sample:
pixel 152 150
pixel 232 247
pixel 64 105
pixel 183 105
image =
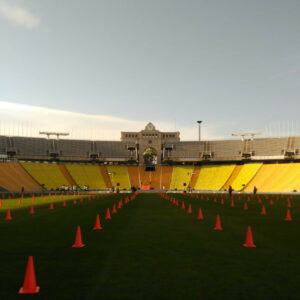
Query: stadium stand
pixel 111 150
pixel 152 178
pixel 282 177
pixel 13 177
pixel 289 181
pixel 105 176
pixel 195 176
pixel 246 173
pixel 156 177
pixel 119 176
pixel 31 146
pixel 3 145
pixel 145 177
pixel 74 148
pixel 181 177
pixel 186 150
pixel 271 170
pixel 47 174
pixel 226 150
pixel 89 175
pixel 67 175
pixel 269 147
pixel 166 176
pixel 232 177
pixel 213 177
pixel 133 172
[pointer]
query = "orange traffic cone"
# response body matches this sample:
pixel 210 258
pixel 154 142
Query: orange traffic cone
pixel 263 210
pixel 107 217
pixel 97 223
pixel 245 206
pixel 81 200
pixel 249 239
pixel 200 216
pixel 20 201
pixel 215 199
pixel 232 203
pixel 74 201
pixel 1 203
pixel 64 203
pixel 218 224
pixel 288 215
pixel 271 202
pixel 222 201
pixel 182 205
pixel 114 210
pixel 119 205
pixel 31 210
pixel 78 240
pixel 189 209
pixel 51 205
pixel 289 203
pixel 8 215
pixel 29 285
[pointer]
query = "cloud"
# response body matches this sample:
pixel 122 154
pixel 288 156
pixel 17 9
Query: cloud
pixel 27 120
pixel 18 15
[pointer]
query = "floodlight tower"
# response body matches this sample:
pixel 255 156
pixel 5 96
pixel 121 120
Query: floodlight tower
pixel 199 130
pixel 247 149
pixel 58 134
pixel 243 135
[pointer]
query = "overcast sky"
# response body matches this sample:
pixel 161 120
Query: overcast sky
pixel 233 64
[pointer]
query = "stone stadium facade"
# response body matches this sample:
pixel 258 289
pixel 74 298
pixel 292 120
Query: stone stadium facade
pixel 166 145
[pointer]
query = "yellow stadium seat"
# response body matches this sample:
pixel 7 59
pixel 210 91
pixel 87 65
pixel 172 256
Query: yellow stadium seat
pixel 245 175
pixel 181 177
pixel 47 174
pixel 119 176
pixel 213 177
pixel 276 178
pixel 14 177
pixel 89 175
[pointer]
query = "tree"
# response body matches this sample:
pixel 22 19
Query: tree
pixel 150 156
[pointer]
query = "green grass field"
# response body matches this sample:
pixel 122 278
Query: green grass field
pixel 152 249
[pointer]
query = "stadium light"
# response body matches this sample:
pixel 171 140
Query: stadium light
pixel 199 130
pixel 58 134
pixel 243 135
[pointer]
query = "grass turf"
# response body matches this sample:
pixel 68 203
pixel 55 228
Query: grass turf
pixel 152 249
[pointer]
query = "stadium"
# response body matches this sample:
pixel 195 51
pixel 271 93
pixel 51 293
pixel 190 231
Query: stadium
pixel 149 150
pixel 150 160
pixel 152 198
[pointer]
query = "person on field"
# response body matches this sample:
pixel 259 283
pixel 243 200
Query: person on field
pixel 230 191
pixel 254 190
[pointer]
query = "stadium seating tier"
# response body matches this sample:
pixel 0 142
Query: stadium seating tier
pixel 13 177
pixel 213 177
pixel 181 177
pixel 119 176
pixel 48 175
pixel 89 175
